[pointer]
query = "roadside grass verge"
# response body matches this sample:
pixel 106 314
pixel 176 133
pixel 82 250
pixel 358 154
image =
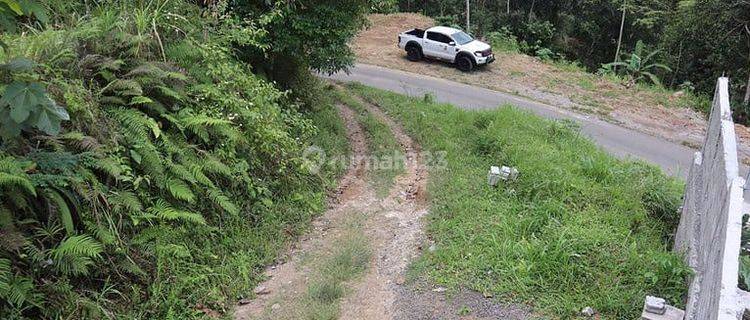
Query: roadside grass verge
pixel 384 148
pixel 330 136
pixel 578 228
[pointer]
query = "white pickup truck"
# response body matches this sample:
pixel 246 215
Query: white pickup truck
pixel 447 44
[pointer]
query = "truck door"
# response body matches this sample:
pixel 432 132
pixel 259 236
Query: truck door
pixel 436 45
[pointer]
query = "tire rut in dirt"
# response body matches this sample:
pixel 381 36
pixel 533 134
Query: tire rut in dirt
pixel 396 233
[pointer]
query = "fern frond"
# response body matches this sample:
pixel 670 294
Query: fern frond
pixel 173 144
pixel 98 62
pixel 179 190
pixel 129 266
pixel 35 254
pixel 200 177
pixel 123 87
pixel 112 101
pixel 170 93
pixel 5 275
pixel 80 140
pixel 20 291
pixel 223 201
pixel 151 161
pixel 181 172
pixel 125 201
pixel 9 181
pixel 75 254
pixel 101 233
pixel 109 166
pixel 136 124
pixel 212 165
pixel 229 132
pixel 200 125
pixel 138 100
pixel 164 211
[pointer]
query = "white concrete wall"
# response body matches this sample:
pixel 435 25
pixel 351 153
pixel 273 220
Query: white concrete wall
pixel 710 226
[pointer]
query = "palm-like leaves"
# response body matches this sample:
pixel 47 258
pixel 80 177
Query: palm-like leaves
pixel 639 66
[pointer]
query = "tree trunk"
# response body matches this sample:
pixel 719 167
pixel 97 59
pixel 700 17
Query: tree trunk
pixel 619 38
pixel 531 11
pixel 747 90
pixel 468 25
pixel 507 6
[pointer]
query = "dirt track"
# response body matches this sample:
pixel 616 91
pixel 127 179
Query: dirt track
pixel 393 227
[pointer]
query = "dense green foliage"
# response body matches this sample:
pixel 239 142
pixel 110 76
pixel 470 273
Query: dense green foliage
pixel 179 174
pixel 578 228
pixel 699 40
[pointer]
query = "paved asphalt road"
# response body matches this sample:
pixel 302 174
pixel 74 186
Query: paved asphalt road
pixel 674 158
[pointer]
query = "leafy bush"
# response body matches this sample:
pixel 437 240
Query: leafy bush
pixel 177 177
pixel 383 6
pixel 503 41
pixel 638 66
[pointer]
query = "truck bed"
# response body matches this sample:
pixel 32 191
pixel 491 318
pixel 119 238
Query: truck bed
pixel 419 33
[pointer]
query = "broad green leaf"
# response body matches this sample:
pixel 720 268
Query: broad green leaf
pixel 32 8
pixel 49 118
pixel 18 65
pixel 44 123
pixel 62 208
pixel 23 98
pixel 7 22
pixel 136 156
pixel 13 5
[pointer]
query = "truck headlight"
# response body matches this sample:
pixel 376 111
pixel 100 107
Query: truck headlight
pixel 479 54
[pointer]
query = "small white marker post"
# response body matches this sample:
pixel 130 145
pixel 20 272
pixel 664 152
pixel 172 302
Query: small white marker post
pixel 497 173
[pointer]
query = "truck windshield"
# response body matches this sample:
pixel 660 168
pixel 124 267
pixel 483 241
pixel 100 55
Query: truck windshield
pixel 462 37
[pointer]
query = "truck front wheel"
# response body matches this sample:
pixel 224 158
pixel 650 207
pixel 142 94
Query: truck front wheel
pixel 464 63
pixel 413 53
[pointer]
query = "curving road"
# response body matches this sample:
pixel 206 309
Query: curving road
pixel 674 158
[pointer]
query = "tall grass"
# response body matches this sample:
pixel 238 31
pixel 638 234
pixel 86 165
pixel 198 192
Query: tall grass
pixel 578 228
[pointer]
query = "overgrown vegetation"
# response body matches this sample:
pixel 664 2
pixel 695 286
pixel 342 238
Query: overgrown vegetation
pixel 179 173
pixel 578 228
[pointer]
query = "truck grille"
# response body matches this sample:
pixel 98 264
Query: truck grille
pixel 487 52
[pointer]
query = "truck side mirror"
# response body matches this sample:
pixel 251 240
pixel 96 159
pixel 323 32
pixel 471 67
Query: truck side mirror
pixel 452 43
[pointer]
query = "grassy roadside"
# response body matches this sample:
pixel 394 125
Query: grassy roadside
pixel 381 142
pixel 579 228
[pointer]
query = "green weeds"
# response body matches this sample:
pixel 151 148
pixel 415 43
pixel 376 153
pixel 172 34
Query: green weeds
pixel 349 260
pixel 578 228
pixel 385 151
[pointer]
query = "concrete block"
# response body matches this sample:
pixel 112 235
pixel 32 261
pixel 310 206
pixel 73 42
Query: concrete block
pixel 493 177
pixel 501 173
pixel 509 173
pixel 655 305
pixel 657 309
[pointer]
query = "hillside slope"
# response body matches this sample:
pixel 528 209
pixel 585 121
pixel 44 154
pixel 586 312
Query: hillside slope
pixel 656 111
